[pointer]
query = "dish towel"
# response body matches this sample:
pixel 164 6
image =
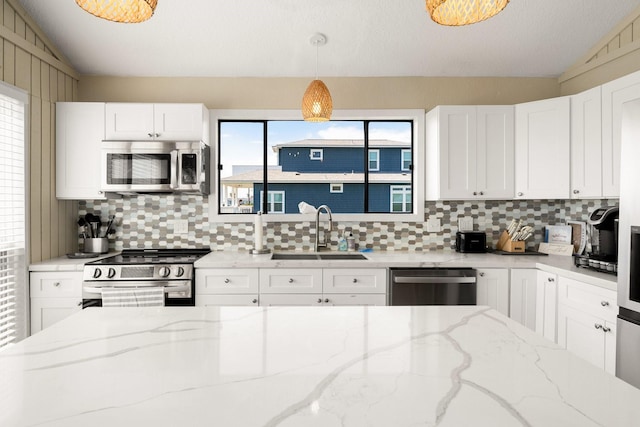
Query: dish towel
pixel 133 297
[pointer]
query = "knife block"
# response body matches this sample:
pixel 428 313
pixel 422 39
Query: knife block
pixel 506 244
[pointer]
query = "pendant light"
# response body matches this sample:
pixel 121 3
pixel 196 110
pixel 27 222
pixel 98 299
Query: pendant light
pixel 317 104
pixel 463 12
pixel 127 11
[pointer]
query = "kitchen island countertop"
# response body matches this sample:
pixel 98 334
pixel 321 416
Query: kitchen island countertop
pixel 307 366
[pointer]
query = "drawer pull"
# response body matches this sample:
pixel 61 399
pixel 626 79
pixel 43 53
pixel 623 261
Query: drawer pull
pixel 326 300
pixel 355 280
pixel 227 280
pixel 604 303
pixel 319 300
pixel 79 304
pixel 481 274
pixel 290 280
pixel 597 326
pixel 551 279
pixel 606 329
pixel 56 284
pixel 254 301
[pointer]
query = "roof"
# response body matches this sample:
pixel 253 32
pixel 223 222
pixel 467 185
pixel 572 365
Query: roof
pixel 325 143
pixel 276 176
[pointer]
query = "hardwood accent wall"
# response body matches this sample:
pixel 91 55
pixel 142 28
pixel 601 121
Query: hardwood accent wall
pixel 29 61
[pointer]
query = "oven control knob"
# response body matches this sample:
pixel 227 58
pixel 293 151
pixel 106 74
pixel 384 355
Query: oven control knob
pixel 111 272
pixel 97 273
pixel 164 271
pixel 179 272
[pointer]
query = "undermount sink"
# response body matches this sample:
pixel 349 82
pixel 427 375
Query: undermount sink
pixel 318 257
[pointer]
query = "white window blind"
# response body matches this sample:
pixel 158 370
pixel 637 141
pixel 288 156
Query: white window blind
pixel 13 275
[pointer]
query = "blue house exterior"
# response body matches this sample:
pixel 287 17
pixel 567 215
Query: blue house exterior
pixel 332 172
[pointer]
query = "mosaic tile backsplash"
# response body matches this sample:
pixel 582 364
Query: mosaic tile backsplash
pixel 145 221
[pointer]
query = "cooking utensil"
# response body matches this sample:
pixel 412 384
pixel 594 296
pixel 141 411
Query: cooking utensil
pixel 109 225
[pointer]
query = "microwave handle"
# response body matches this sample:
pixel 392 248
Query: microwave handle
pixel 175 164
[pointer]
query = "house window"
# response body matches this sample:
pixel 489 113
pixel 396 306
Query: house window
pixel 336 188
pixel 400 198
pixel 315 154
pixel 374 160
pixel 13 273
pixel 275 201
pixel 406 160
pixel 315 163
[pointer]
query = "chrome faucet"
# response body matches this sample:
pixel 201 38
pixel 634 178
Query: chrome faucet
pixel 324 242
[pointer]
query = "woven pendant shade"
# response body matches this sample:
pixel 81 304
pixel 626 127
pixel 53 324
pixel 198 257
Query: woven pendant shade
pixel 316 103
pixel 128 11
pixel 463 12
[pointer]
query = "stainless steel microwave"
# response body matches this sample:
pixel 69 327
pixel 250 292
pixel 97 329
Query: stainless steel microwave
pixel 155 167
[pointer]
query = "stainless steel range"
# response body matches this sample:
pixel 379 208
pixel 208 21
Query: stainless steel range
pixel 171 269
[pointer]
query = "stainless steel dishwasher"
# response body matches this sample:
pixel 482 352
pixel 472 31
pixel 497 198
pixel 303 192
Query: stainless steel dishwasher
pixel 432 286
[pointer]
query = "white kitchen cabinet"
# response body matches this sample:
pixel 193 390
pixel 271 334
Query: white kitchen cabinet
pixel 546 304
pixel 354 299
pixel 523 294
pixel 493 288
pixel 53 296
pixel 80 129
pixel 159 122
pixel 290 281
pixel 470 152
pixel 614 95
pixel 542 149
pixel 586 144
pixel 587 322
pixel 226 286
pixel 270 300
pixel 354 281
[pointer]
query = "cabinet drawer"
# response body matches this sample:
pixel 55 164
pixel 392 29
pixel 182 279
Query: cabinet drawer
pixel 227 300
pixel 354 299
pixel 226 281
pixel 354 281
pixel 588 298
pixel 271 300
pixel 290 281
pixel 56 284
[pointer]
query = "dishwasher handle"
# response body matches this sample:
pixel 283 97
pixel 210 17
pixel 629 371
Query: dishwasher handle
pixel 422 279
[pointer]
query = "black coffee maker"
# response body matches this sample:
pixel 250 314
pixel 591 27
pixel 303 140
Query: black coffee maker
pixel 602 234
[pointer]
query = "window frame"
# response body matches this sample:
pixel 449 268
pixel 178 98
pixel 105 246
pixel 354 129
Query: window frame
pixel 402 168
pixel 418 161
pixel 375 151
pixel 404 190
pixel 270 202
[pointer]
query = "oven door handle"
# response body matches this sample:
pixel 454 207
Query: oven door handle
pixel 420 279
pixel 176 165
pixel 169 286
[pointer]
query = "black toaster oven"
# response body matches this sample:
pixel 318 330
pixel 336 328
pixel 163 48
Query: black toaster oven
pixel 471 241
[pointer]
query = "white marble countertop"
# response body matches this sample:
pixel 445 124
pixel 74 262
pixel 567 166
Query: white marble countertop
pixel 303 366
pixel 562 265
pixel 65 263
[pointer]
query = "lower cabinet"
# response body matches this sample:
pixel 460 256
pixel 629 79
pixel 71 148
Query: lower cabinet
pixel 493 288
pixel 546 304
pixel 523 296
pixel 291 286
pixel 53 296
pixel 587 322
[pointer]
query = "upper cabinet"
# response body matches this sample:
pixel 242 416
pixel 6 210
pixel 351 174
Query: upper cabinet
pixel 586 144
pixel 156 122
pixel 614 94
pixel 470 152
pixel 79 132
pixel 542 153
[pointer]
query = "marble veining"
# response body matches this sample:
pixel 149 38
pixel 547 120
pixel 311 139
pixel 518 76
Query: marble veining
pixel 303 366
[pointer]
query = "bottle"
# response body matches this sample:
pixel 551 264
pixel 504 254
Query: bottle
pixel 342 245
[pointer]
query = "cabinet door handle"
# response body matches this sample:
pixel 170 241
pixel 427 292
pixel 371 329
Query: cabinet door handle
pixel 157 135
pixel 604 303
pixel 576 191
pixel 520 194
pixel 606 329
pixel 290 280
pixel 355 280
pixel 551 279
pixel 319 300
pixel 482 193
pixel 56 284
pixel 150 135
pixel 481 274
pixel 597 326
pixel 475 193
pixel 227 280
pixel 326 300
pixel 79 304
pixel 254 300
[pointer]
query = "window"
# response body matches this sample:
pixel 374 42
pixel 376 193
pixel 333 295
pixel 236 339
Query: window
pixel 315 154
pixel 13 274
pixel 349 163
pixel 400 198
pixel 336 188
pixel 275 201
pixel 406 160
pixel 374 160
